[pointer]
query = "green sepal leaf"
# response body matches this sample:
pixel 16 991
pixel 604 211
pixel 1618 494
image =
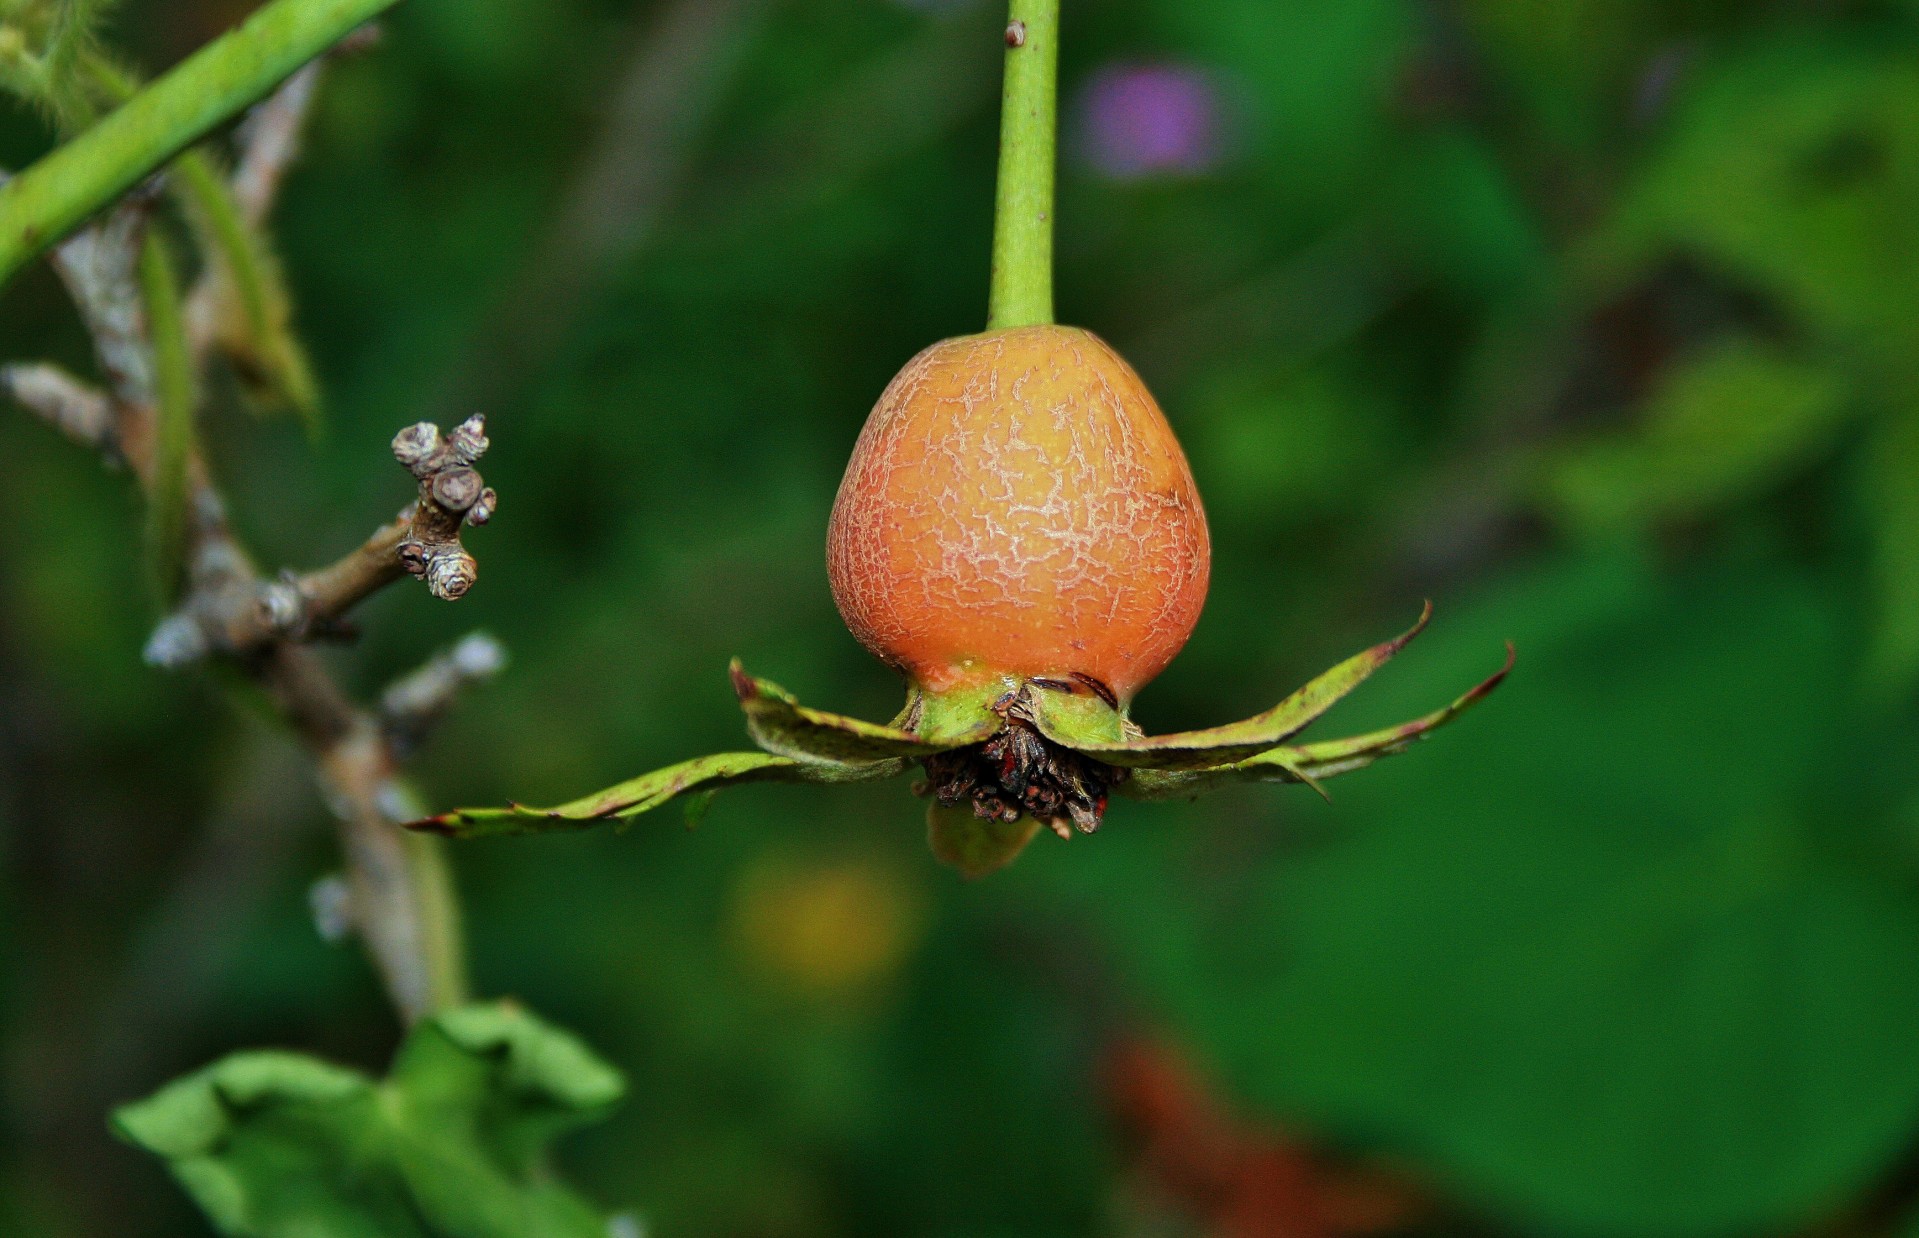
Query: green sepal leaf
pixel 1073 715
pixel 1307 763
pixel 643 794
pixel 1235 742
pixel 451 1145
pixel 781 725
pixel 975 847
pixel 958 716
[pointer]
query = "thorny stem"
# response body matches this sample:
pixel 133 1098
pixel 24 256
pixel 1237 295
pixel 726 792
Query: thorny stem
pixel 402 899
pixel 241 267
pixel 56 195
pixel 1021 293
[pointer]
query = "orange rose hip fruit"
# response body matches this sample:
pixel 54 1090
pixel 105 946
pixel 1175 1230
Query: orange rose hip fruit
pixel 1018 505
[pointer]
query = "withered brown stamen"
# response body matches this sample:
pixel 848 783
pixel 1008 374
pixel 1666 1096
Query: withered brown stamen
pixel 1019 772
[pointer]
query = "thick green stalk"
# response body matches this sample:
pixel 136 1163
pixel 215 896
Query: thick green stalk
pixel 1022 286
pixel 56 195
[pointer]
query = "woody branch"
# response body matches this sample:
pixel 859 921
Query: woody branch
pixel 400 895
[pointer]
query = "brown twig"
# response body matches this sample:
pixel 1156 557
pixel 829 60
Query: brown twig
pixel 401 899
pixel 77 409
pixel 269 142
pixel 412 706
pixel 234 612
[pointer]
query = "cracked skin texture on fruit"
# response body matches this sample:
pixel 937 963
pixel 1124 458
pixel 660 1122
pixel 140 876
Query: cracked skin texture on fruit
pixel 1018 505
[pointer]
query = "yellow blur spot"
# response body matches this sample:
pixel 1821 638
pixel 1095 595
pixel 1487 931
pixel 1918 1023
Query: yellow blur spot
pixel 826 927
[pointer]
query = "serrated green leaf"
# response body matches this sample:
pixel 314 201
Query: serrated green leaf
pixel 541 1080
pixel 643 794
pixel 277 1145
pixel 1225 745
pixel 191 1116
pixel 781 725
pixel 451 1145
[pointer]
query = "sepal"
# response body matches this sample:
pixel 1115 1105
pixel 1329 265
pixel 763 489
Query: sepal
pixel 643 794
pixel 1307 763
pixel 781 725
pixel 1239 741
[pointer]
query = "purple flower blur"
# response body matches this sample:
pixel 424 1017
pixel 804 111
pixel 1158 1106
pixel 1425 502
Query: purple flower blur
pixel 1145 120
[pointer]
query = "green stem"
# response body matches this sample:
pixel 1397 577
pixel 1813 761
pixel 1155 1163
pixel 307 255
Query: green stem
pixel 1022 286
pixel 174 401
pixel 442 935
pixel 277 364
pixel 42 205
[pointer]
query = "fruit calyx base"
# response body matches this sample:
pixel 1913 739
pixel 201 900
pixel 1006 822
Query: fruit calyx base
pixel 1018 772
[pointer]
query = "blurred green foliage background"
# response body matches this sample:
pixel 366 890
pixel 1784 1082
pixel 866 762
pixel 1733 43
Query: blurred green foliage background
pixel 1593 320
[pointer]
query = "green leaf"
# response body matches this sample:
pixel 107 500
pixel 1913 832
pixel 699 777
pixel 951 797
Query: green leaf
pixel 1639 957
pixel 451 1145
pixel 781 725
pixel 1224 745
pixel 1891 492
pixel 1309 763
pixel 1722 426
pixel 643 794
